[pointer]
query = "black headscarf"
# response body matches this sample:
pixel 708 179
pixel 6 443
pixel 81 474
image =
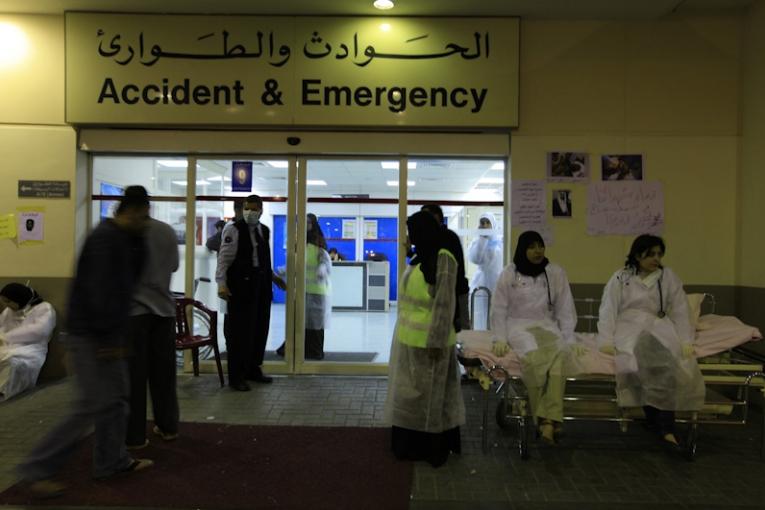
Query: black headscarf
pixel 21 294
pixel 522 264
pixel 315 235
pixel 427 237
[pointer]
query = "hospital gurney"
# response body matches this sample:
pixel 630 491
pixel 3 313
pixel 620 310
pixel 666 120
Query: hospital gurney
pixel 590 388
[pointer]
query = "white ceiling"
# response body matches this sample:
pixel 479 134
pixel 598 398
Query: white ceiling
pixel 530 9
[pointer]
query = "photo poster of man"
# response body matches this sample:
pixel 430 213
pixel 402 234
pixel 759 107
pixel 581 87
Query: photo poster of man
pixel 29 227
pixel 241 176
pixel 622 167
pixel 568 166
pixel 561 203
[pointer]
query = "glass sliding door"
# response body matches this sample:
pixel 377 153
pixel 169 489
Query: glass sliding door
pixel 349 271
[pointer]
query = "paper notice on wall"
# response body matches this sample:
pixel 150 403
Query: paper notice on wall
pixel 29 226
pixel 370 229
pixel 349 229
pixel 625 208
pixel 528 203
pixel 544 230
pixel 7 226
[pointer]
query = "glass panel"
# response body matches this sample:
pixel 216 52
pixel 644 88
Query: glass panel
pixel 269 181
pixel 362 235
pixel 162 177
pixel 473 182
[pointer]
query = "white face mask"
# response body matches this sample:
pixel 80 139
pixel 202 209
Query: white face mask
pixel 252 217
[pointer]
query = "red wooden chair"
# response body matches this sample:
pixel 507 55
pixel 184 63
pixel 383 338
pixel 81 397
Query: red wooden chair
pixel 206 320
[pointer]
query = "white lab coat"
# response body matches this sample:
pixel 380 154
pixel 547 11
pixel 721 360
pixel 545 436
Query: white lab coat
pixel 23 346
pixel 486 252
pixel 650 369
pixel 520 303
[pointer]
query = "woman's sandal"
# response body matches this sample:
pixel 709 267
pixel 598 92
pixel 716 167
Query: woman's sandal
pixel 135 465
pixel 547 432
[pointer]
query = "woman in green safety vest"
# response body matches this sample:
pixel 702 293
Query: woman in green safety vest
pixel 318 307
pixel 424 402
pixel 317 289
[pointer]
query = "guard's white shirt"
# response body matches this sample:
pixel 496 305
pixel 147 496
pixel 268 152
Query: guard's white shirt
pixel 228 247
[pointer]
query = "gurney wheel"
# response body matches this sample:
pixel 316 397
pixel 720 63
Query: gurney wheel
pixel 690 451
pixel 523 439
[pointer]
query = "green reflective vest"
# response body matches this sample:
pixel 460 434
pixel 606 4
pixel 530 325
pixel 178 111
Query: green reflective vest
pixel 312 283
pixel 415 311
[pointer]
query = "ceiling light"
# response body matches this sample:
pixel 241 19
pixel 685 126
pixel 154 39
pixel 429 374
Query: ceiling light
pixel 278 164
pixel 499 165
pixel 491 180
pixel 383 5
pixel 218 178
pixel 393 165
pixel 395 183
pixel 13 45
pixel 184 183
pixel 174 163
pixel 316 182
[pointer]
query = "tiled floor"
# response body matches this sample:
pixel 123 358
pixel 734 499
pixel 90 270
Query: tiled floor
pixel 596 467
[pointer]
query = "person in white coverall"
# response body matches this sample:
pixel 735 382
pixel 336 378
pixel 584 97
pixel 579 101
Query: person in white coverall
pixel 533 312
pixel 26 323
pixel 644 321
pixel 486 252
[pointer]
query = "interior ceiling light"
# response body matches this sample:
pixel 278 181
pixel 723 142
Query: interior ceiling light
pixel 499 165
pixel 278 164
pixel 174 163
pixel 395 183
pixel 316 182
pixel 393 165
pixel 383 5
pixel 491 180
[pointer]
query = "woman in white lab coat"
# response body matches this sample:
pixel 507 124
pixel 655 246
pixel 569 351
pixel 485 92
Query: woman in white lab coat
pixel 486 252
pixel 644 321
pixel 26 324
pixel 533 312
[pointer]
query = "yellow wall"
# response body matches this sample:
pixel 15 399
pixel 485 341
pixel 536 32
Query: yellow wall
pixel 36 144
pixel 667 89
pixel 751 242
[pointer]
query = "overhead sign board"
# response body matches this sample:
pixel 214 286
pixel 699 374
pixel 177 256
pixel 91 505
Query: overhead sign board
pixel 301 71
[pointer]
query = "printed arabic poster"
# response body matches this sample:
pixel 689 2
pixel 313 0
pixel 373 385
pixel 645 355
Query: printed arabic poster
pixel 625 208
pixel 621 167
pixel 29 227
pixel 370 229
pixel 349 229
pixel 528 202
pixel 568 167
pixel 544 230
pixel 561 203
pixel 241 176
pixel 7 226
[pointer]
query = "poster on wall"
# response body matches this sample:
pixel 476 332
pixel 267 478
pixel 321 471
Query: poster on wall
pixel 528 202
pixel 29 226
pixel 349 229
pixel 544 230
pixel 621 167
pixel 241 176
pixel 561 203
pixel 370 229
pixel 7 226
pixel 625 208
pixel 568 166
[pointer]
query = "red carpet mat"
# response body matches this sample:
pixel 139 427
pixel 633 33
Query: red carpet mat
pixel 229 467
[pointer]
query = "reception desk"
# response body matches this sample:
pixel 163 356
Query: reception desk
pixel 360 286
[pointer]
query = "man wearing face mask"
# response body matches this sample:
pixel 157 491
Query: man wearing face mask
pixel 244 276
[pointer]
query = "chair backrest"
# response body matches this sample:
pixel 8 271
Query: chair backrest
pixel 187 312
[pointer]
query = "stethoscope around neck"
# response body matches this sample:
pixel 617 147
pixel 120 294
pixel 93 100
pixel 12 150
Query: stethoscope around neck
pixel 550 305
pixel 661 313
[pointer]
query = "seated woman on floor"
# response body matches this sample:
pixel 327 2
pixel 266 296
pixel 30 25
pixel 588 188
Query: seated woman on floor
pixel 26 324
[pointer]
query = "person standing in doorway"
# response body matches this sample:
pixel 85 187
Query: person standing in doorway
pixel 485 252
pixel 454 245
pixel 152 335
pixel 99 302
pixel 244 276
